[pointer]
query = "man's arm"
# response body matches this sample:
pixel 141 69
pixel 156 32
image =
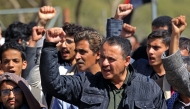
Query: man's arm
pixel 114 25
pixel 176 72
pixel 45 14
pixel 66 88
pixel 37 33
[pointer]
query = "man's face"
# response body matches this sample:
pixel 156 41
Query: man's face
pixel 112 63
pixel 184 52
pixel 155 49
pixel 12 61
pixel 85 57
pixel 159 28
pixel 14 99
pixel 67 48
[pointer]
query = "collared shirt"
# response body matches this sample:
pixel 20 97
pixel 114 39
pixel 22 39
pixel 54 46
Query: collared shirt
pixel 116 94
pixel 180 104
pixel 175 102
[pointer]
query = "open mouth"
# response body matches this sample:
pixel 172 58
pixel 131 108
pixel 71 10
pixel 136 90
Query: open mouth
pixel 65 52
pixel 11 71
pixel 151 59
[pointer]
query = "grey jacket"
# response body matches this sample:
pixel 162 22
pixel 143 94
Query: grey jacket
pixel 176 73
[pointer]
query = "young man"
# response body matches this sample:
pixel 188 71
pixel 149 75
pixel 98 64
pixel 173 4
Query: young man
pixel 99 90
pixel 13 60
pixel 15 93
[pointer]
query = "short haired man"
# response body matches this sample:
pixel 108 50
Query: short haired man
pixel 15 93
pixel 12 57
pixel 13 60
pixel 130 89
pixel 87 43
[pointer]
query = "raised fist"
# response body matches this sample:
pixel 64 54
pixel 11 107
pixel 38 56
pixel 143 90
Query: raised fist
pixel 55 34
pixel 179 24
pixel 37 32
pixel 46 12
pixel 127 30
pixel 122 11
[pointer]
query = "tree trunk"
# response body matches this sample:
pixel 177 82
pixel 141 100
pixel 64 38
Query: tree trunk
pixel 16 5
pixel 78 11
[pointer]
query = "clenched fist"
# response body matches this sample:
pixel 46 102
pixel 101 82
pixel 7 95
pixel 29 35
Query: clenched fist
pixel 55 34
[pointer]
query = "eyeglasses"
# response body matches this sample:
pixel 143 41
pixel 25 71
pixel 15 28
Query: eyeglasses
pixel 16 91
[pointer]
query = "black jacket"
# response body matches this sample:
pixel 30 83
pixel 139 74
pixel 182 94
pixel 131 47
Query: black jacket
pixel 89 91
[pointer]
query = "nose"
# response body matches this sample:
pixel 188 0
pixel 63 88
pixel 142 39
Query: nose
pixel 11 95
pixel 77 56
pixel 64 44
pixel 11 63
pixel 105 62
pixel 150 51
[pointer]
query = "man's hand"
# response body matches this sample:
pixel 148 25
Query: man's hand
pixel 178 24
pixel 55 34
pixel 123 10
pixel 127 30
pixel 37 33
pixel 46 13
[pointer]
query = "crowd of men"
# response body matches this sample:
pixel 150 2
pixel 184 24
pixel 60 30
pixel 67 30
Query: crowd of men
pixel 75 67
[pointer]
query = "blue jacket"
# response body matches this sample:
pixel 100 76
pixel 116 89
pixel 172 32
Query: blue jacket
pixel 89 91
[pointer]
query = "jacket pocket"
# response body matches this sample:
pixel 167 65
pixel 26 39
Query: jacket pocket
pixel 144 105
pixel 91 100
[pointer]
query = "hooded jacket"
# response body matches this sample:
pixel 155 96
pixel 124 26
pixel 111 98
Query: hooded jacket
pixel 31 102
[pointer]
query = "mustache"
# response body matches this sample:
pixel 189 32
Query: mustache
pixel 105 67
pixel 80 62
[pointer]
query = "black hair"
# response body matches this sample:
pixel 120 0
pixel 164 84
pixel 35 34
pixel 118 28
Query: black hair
pixel 16 31
pixel 122 42
pixel 163 21
pixel 72 29
pixel 184 43
pixel 12 45
pixel 163 34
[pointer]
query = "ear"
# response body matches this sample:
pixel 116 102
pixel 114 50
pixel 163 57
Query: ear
pixel 127 60
pixel 98 55
pixel 24 65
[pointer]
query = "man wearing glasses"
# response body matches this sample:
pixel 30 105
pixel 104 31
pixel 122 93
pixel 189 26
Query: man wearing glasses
pixel 15 94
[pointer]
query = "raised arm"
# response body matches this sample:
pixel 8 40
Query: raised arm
pixel 178 26
pixel 114 25
pixel 37 33
pixel 66 88
pixel 45 14
pixel 176 72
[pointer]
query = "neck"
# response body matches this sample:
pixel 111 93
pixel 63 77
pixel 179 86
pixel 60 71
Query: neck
pixel 119 80
pixel 185 99
pixel 94 69
pixel 159 69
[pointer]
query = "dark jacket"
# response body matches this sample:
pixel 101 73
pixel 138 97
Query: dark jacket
pixel 89 91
